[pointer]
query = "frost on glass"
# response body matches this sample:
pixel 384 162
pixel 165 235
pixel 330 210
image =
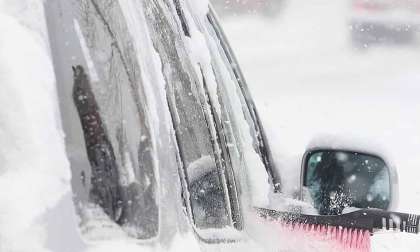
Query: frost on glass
pixel 337 180
pixel 119 180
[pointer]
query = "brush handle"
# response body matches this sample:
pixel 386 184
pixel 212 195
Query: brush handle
pixel 393 220
pixel 365 219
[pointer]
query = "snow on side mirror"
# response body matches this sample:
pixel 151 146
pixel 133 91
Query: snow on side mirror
pixel 336 180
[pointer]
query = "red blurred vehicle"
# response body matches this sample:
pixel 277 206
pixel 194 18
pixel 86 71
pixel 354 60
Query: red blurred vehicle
pixel 384 21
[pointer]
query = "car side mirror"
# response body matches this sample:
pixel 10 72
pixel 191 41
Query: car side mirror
pixel 336 180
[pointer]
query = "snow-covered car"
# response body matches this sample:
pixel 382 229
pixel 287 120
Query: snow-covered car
pixel 145 104
pixel 384 21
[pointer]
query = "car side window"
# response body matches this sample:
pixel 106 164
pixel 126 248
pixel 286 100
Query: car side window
pixel 109 139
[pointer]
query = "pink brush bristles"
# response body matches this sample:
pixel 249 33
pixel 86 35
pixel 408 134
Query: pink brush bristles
pixel 344 239
pixel 338 238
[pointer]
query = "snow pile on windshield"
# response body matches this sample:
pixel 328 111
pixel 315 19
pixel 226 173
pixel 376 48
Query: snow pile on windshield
pixel 35 191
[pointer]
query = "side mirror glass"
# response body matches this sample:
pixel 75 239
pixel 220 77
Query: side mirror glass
pixel 340 179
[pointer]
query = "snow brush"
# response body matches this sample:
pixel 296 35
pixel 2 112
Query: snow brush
pixel 350 231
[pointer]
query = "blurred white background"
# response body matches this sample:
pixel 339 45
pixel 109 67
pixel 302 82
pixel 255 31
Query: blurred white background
pixel 349 69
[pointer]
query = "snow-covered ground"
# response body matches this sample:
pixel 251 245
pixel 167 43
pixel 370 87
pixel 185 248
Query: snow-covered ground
pixel 308 83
